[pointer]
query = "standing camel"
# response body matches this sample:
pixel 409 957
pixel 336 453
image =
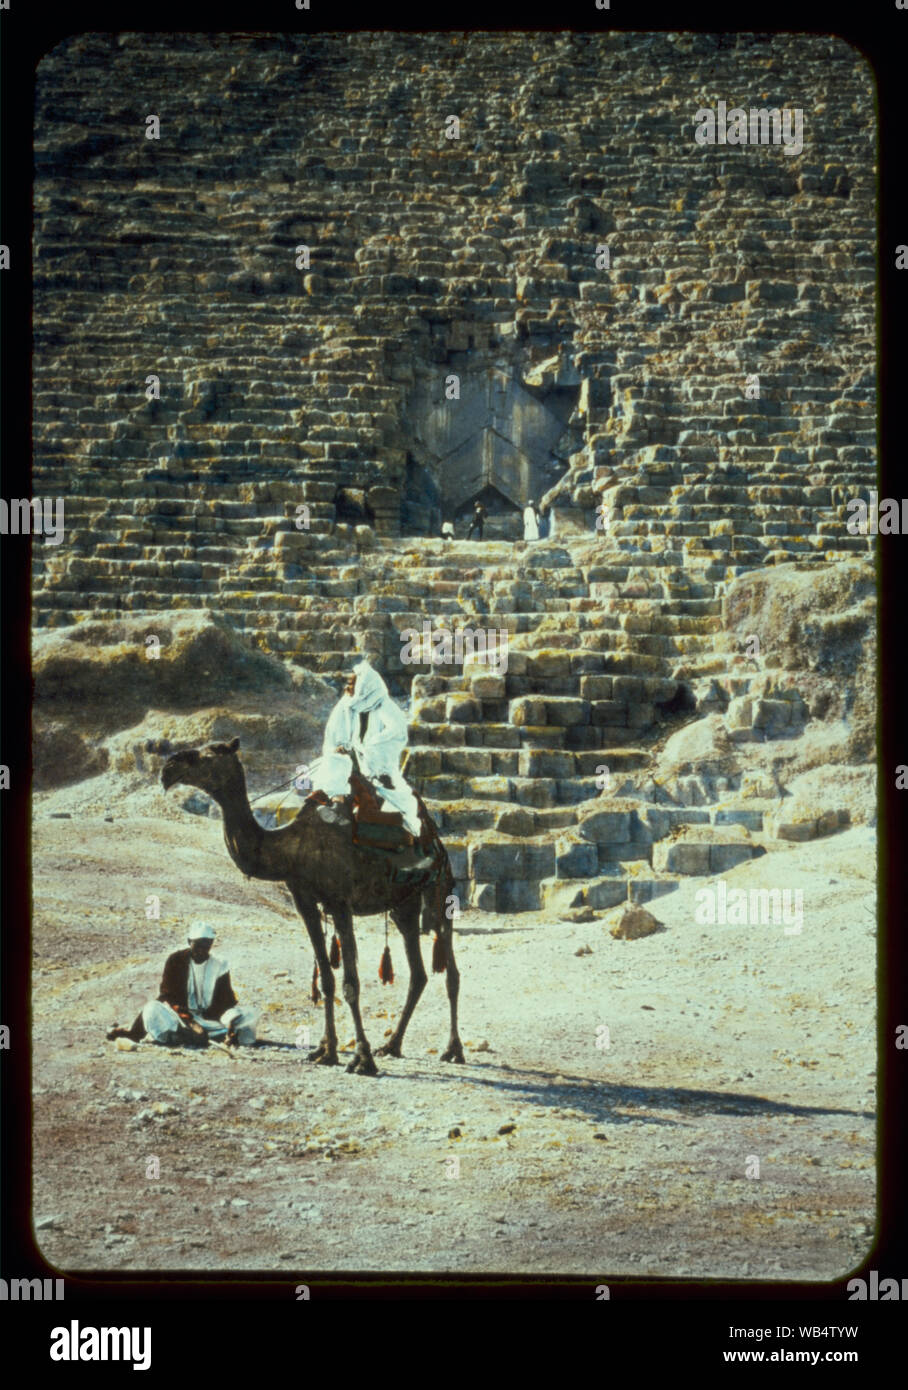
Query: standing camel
pixel 316 858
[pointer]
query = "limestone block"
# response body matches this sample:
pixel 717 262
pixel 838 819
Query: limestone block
pixel 701 746
pixel 636 922
pixel 575 858
pixel 545 762
pixel 548 663
pixel 487 788
pixel 534 791
pixel 605 892
pixel 527 711
pixel 660 689
pixel 495 858
pixel 485 686
pixel 740 815
pixel 772 715
pixel 424 687
pixel 457 854
pixel 596 687
pixel 607 826
pixel 462 709
pixel 574 791
pixel 739 715
pixel 540 736
pixel 518 895
pixel 565 711
pixel 557 895
pixel 643 890
pixel 515 820
pixel 421 762
pixel 430 711
pixel 784 827
pixel 484 896
pixel 640 714
pixel 610 712
pixel 474 762
pixel 725 857
pixel 627 851
pixel 441 788
pixel 629 689
pixel 539 858
pixel 681 857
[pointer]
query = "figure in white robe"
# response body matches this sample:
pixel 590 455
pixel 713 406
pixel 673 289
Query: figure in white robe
pixel 196 999
pixel 378 746
pixel 530 522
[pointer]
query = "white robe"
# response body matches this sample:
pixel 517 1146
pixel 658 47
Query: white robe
pixel 163 1024
pixel 530 524
pixel 378 754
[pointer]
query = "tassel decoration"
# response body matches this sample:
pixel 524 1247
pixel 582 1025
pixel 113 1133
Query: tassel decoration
pixel 335 956
pixel 439 955
pixel 386 970
pixel 316 996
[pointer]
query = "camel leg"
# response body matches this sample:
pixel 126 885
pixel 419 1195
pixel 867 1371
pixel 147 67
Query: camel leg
pixel 454 1050
pixel 406 919
pixel 326 1052
pixel 363 1062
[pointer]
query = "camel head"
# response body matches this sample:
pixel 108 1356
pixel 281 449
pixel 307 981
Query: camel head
pixel 211 769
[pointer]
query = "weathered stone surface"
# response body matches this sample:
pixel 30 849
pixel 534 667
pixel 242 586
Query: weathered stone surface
pixel 608 825
pixel 819 626
pixel 531 712
pixel 575 858
pixel 701 747
pixel 326 387
pixel 635 923
pixel 544 762
pixel 462 709
pixel 95 686
pixel 514 820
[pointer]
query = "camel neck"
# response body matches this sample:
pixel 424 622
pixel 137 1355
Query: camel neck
pixel 242 831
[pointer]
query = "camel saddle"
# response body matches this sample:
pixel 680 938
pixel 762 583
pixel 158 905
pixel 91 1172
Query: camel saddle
pixel 373 828
pixel 383 832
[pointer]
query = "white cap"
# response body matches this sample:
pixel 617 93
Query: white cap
pixel 201 931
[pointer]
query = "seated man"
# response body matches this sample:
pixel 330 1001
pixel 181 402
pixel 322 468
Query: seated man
pixel 367 720
pixel 196 1001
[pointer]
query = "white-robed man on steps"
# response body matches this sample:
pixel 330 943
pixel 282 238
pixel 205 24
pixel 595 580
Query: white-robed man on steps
pixel 196 1000
pixel 367 720
pixel 530 522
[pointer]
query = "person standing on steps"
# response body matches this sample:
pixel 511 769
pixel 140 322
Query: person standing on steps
pixel 477 520
pixel 530 522
pixel 447 531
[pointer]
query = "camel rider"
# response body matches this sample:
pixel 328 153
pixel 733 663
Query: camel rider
pixel 367 720
pixel 196 1001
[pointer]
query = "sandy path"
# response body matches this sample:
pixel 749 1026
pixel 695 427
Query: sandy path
pixel 725 1043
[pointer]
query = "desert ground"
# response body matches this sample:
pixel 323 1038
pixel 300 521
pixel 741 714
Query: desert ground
pixel 720 1125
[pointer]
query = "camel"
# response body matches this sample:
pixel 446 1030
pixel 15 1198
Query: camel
pixel 315 857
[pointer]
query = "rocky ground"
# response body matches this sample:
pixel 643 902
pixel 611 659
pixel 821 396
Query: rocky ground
pixel 548 1152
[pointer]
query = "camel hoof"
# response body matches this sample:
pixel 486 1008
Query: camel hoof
pixel 389 1049
pixel 453 1054
pixel 363 1066
pixel 324 1056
